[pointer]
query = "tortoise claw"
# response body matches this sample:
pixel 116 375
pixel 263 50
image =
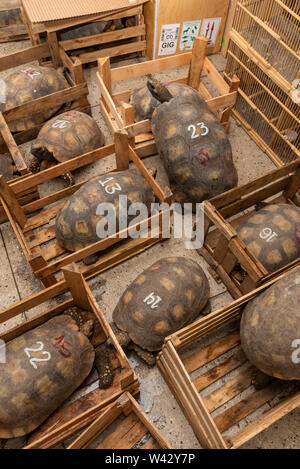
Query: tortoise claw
pixel 148 357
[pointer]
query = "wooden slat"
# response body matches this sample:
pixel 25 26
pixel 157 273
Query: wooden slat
pixel 122 429
pixel 24 56
pixel 137 46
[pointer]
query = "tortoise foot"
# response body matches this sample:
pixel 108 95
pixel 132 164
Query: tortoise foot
pixel 69 179
pixel 90 259
pixel 103 366
pixel 144 355
pixel 260 380
pixel 35 165
pixel 207 309
pixel 15 443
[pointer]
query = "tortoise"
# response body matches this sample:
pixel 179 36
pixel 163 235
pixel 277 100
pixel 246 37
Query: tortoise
pixel 165 297
pixel 89 29
pixel 77 222
pixel 10 13
pixel 270 328
pixel 145 103
pixel 44 366
pixel 194 146
pixel 273 235
pixel 64 137
pixel 7 167
pixel 26 84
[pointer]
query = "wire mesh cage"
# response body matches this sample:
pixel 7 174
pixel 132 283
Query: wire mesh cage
pixel 268 113
pixel 271 27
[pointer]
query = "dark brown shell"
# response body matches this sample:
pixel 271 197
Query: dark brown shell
pixel 270 328
pixel 10 13
pixel 6 167
pixel 184 291
pixel 70 134
pixel 31 82
pixel 257 232
pixel 76 223
pixel 144 103
pixel 90 29
pixel 198 160
pixel 31 390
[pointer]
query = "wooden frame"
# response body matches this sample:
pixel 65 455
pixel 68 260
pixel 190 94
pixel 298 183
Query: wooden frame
pixel 76 415
pixel 119 114
pixel 223 249
pixel 177 368
pixel 127 434
pixel 35 235
pixel 13 32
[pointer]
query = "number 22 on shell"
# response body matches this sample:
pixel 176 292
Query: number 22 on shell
pixel 194 129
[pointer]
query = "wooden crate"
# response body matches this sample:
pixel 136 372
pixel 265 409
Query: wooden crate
pixel 119 114
pixel 134 431
pixel 72 417
pixel 118 43
pixel 240 413
pixel 36 234
pixel 223 249
pixel 159 13
pixel 12 32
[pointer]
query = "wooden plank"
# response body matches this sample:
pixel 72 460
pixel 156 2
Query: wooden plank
pixel 11 201
pixel 197 62
pixel 12 146
pixel 113 51
pixel 119 433
pixel 24 56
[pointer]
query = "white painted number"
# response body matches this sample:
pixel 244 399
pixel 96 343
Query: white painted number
pixel 61 124
pixel 38 349
pixel 296 353
pixel 268 234
pixel 31 73
pixel 193 128
pixel 152 300
pixel 110 189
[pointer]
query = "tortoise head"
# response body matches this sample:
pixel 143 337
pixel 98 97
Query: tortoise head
pixel 40 152
pixel 159 91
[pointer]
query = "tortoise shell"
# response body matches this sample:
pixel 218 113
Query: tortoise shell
pixel 43 368
pixel 144 103
pixel 6 167
pixel 10 13
pixel 77 221
pixel 161 300
pixel 270 328
pixel 29 83
pixel 90 29
pixel 68 135
pixel 195 149
pixel 273 235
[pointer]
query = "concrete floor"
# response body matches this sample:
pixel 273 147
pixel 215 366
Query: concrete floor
pixel 17 281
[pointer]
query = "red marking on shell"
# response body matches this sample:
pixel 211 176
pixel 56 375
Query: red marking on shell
pixel 62 346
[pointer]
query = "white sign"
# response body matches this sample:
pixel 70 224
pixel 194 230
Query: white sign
pixel 168 39
pixel 210 29
pixel 190 30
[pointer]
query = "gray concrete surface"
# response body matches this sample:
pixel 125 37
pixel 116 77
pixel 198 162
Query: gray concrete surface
pixel 17 281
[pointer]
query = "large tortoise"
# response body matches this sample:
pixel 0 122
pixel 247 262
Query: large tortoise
pixel 44 366
pixel 78 222
pixel 270 328
pixel 165 297
pixel 273 235
pixel 193 145
pixel 64 137
pixel 10 13
pixel 29 83
pixel 89 29
pixel 145 103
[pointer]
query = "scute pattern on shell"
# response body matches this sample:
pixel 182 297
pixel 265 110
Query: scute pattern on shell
pixel 29 395
pixel 6 167
pixel 184 291
pixel 10 13
pixel 144 103
pixel 282 248
pixel 270 324
pixel 70 134
pixel 32 82
pixel 76 223
pixel 198 168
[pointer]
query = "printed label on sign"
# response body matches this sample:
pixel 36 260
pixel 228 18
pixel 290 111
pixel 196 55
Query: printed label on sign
pixel 190 30
pixel 210 29
pixel 168 39
pixel 2 92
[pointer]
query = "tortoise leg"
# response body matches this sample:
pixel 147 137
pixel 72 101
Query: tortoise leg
pixel 260 380
pixel 144 355
pixel 103 366
pixel 91 259
pixel 69 179
pixel 35 165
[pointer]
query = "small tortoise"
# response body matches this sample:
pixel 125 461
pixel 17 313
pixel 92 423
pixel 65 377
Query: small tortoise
pixel 161 300
pixel 145 103
pixel 270 328
pixel 79 221
pixel 193 145
pixel 10 13
pixel 7 167
pixel 90 29
pixel 64 137
pixel 273 235
pixel 43 368
pixel 29 83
